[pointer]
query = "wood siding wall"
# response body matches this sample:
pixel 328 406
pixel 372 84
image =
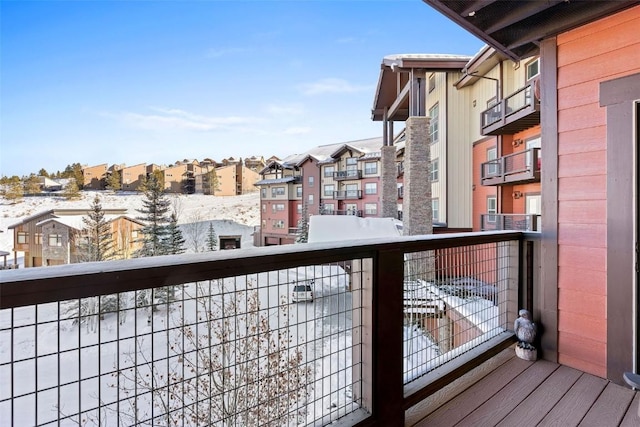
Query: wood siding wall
pixel 587 56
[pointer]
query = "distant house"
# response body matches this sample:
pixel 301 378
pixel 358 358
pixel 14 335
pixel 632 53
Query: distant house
pixel 48 184
pixel 132 176
pixel 52 237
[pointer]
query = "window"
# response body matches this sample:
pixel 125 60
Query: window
pixel 263 193
pixel 23 236
pixel 277 191
pixel 264 223
pixel 328 190
pixel 492 208
pixel 371 209
pixel 371 168
pixel 299 191
pixel 434 172
pixel 532 143
pixel 432 82
pixel 371 188
pixel 311 181
pixel 328 207
pixel 277 207
pixel 435 209
pixel 533 69
pixel 134 234
pixel 278 223
pixel 264 207
pixel 328 171
pixel 38 237
pixel 55 239
pixel 299 208
pixel 433 125
pixel 310 199
pixel 351 161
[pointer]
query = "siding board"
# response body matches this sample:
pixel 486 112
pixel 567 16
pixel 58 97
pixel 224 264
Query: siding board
pixel 580 256
pixel 578 301
pixel 582 164
pixel 593 187
pixel 582 212
pixel 581 117
pixel 599 68
pixel 576 324
pixel 588 349
pixel 582 140
pixel 589 235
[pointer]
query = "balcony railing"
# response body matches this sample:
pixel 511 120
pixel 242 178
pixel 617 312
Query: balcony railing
pixel 347 174
pixel 520 167
pixel 348 194
pixel 400 192
pixel 400 167
pixel 517 112
pixel 355 212
pixel 519 222
pixel 352 332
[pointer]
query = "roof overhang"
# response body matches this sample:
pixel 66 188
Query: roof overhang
pixel 394 72
pixel 515 28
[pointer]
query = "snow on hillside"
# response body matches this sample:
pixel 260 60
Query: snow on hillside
pixel 232 215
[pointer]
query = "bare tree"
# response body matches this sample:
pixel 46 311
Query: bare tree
pixel 194 231
pixel 227 367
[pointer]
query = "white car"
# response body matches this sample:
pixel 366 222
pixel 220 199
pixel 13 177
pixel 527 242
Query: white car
pixel 302 292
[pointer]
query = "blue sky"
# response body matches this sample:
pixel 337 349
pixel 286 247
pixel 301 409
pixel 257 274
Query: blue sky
pixel 131 82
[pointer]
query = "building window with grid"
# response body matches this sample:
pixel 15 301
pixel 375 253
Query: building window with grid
pixel 433 124
pixel 277 207
pixel 328 190
pixel 277 191
pixel 371 168
pixel 328 171
pixel 311 180
pixel 310 199
pixel 432 82
pixel 38 238
pixel 434 171
pixel 371 209
pixel 55 239
pixel 264 207
pixel 279 223
pixel 435 209
pixel 299 191
pixel 23 236
pixel 533 69
pixel 263 193
pixel 371 188
pixel 328 208
pixel 299 208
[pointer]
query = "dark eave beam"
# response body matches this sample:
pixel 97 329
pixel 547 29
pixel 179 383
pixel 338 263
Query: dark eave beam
pixel 400 99
pixel 523 12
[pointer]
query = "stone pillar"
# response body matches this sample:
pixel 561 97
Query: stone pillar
pixel 389 175
pixel 416 203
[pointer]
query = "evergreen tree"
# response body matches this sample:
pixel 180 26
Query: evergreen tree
pixel 303 226
pixel 212 239
pixel 97 242
pixel 175 241
pixel 71 190
pixel 113 181
pixel 155 209
pixel 32 185
pixel 43 172
pixel 74 171
pixel 14 191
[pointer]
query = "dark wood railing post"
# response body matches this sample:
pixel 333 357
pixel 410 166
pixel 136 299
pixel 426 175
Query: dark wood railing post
pixel 388 383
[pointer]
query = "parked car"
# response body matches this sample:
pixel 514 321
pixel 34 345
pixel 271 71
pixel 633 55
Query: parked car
pixel 302 292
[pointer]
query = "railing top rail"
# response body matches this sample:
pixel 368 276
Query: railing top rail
pixel 56 283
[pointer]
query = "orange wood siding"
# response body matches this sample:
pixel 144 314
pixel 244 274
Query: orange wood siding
pixel 587 56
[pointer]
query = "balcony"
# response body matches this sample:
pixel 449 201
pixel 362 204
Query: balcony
pixel 400 192
pixel 515 113
pixel 347 174
pixel 190 339
pixel 347 195
pixel 400 167
pixel 517 168
pixel 513 222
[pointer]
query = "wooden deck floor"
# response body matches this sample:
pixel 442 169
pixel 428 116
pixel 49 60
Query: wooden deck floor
pixel 508 391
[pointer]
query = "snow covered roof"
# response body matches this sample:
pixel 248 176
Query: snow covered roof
pixel 332 228
pixel 284 180
pixel 76 221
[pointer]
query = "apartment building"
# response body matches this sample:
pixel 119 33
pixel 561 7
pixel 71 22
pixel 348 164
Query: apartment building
pixel 52 237
pixel 132 176
pixel 334 179
pixel 94 177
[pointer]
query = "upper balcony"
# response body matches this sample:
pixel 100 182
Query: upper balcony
pixel 354 212
pixel 347 174
pixel 517 168
pixel 223 338
pixel 515 113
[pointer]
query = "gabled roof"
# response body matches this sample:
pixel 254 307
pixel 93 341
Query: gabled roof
pixel 515 28
pixel 66 212
pixel 387 89
pixel 76 221
pixel 361 146
pixel 284 180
